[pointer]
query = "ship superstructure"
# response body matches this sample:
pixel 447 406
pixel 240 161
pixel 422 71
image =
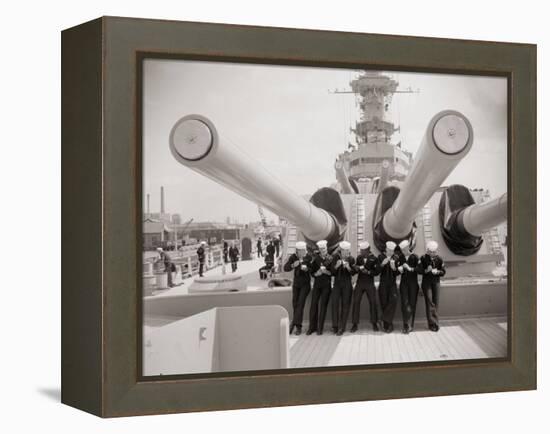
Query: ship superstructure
pixel 375 158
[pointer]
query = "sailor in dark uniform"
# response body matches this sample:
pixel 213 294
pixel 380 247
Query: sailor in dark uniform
pixel 201 254
pixel 270 249
pixel 225 252
pixel 366 267
pixel 408 287
pixel 387 288
pixel 300 263
pixel 432 269
pixel 233 256
pixel 342 269
pixel 322 285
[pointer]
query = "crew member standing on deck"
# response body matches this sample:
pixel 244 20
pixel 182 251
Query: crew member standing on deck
pixel 225 252
pixel 270 249
pixel 201 254
pixel 166 261
pixel 300 263
pixel 320 295
pixel 408 287
pixel 432 268
pixel 387 290
pixel 233 256
pixel 366 267
pixel 342 269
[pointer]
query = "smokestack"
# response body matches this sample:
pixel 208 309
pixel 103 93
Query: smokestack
pixel 148 203
pixel 162 200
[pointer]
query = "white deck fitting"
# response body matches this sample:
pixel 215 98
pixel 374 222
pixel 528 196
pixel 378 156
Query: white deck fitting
pixel 215 341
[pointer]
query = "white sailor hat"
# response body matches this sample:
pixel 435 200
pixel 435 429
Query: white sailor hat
pixel 364 245
pixel 390 245
pixel 432 246
pixel 203 242
pixel 322 244
pixel 300 245
pixel 345 245
pixel 404 244
pixel 159 249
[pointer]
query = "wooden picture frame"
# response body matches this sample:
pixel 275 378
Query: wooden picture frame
pixel 101 212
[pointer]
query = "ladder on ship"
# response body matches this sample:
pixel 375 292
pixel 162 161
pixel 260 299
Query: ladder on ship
pixel 491 236
pixel 291 239
pixel 358 218
pixel 427 223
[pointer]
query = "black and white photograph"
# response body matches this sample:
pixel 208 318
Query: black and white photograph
pixel 307 217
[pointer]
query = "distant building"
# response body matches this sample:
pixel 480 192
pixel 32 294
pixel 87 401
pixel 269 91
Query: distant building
pixel 213 232
pixel 156 234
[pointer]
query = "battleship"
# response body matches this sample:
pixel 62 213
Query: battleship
pixel 381 192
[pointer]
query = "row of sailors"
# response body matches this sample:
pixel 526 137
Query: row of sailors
pixel 383 302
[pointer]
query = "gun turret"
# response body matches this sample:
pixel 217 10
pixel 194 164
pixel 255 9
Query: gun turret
pixel 448 138
pixel 195 143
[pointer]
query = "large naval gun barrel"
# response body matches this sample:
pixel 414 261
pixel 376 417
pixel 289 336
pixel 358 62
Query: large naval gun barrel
pixel 342 178
pixel 480 217
pixel 463 222
pixel 195 143
pixel 447 140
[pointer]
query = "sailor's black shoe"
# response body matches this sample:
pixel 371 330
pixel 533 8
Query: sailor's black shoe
pixel 291 329
pixel 340 333
pixel 310 332
pixel 334 330
pixel 320 332
pixel 406 329
pixel 353 328
pixel 434 327
pixel 375 327
pixel 298 331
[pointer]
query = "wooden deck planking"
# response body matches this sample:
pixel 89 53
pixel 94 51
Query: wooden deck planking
pixel 484 339
pixel 412 354
pixel 459 339
pixel 419 350
pixel 479 337
pixel 379 350
pixel 460 336
pixel 316 351
pixel 454 346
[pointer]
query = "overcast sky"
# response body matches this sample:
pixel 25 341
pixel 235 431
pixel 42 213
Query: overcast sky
pixel 286 119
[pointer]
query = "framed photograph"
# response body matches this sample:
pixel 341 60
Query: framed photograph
pixel 270 217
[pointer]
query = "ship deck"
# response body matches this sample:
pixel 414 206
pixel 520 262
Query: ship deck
pixel 457 339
